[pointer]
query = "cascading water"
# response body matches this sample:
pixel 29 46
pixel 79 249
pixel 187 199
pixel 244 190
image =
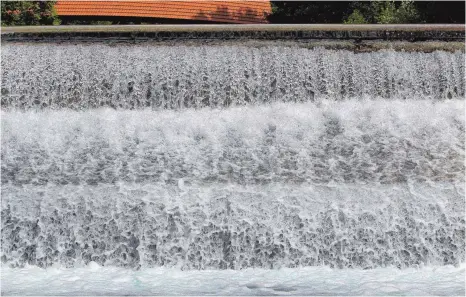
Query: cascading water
pixel 231 157
pixel 169 77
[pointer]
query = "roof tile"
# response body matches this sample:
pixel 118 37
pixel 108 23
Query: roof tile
pixel 217 11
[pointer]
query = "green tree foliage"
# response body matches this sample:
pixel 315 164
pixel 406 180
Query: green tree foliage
pixel 385 12
pixel 391 12
pixel 355 17
pixel 23 13
pixel 407 12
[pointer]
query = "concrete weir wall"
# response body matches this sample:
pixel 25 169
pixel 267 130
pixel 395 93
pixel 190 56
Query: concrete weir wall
pixel 269 32
pixel 411 37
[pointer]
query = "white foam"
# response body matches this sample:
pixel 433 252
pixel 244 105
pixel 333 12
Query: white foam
pixel 352 141
pixel 232 226
pixel 351 184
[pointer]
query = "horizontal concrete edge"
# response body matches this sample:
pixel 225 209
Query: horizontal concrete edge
pixel 233 28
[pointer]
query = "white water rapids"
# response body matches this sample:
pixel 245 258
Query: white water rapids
pixel 303 167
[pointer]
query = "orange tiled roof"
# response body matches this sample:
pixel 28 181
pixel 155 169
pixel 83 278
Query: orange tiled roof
pixel 241 12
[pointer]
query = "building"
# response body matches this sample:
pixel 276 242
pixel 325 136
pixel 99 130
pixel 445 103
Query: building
pixel 149 11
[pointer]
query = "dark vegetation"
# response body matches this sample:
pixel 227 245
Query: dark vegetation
pixel 17 13
pixel 370 12
pixel 28 13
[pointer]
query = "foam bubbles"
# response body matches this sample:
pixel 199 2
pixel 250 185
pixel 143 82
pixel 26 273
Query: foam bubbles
pixel 360 184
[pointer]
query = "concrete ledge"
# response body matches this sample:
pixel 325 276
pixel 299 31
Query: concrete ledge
pixel 233 32
pixel 233 28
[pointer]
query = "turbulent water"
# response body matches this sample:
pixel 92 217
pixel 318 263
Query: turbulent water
pixel 88 76
pixel 316 158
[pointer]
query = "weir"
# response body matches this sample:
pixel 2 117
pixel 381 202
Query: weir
pixel 301 32
pixel 231 156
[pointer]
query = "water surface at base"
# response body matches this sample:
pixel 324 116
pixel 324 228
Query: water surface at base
pixel 316 281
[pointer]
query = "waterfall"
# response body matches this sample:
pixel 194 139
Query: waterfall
pixel 231 157
pixel 175 77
